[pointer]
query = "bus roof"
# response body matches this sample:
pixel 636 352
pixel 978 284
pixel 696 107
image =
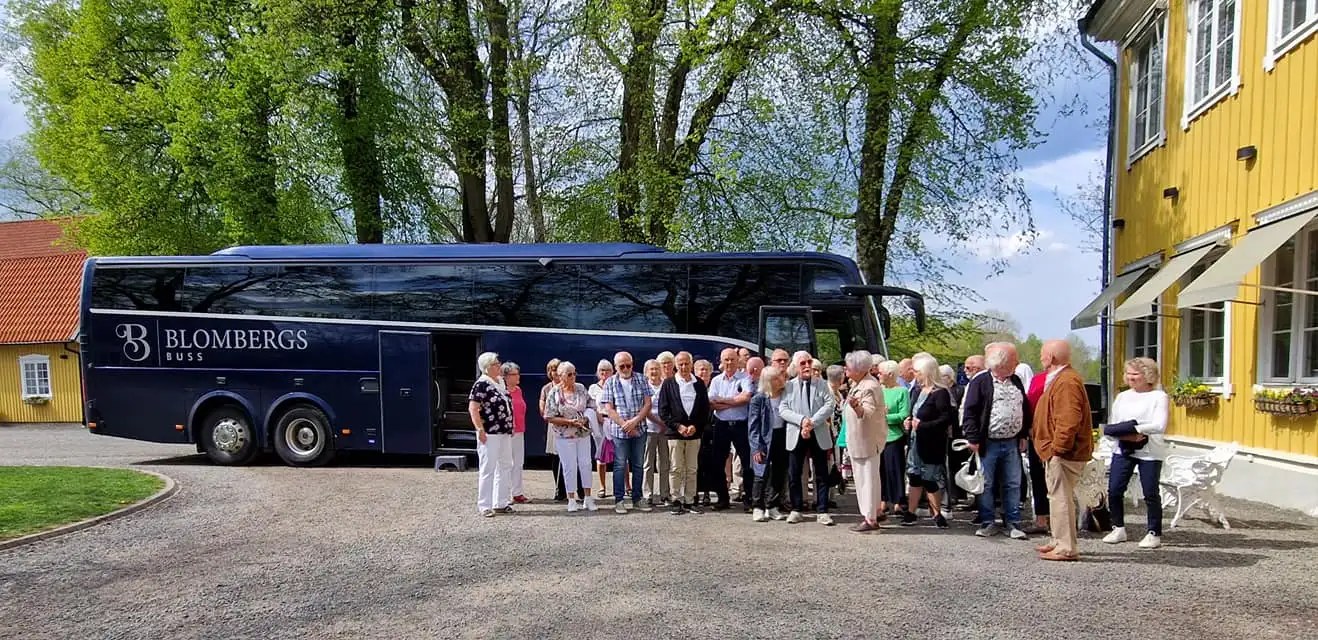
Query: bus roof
pixel 460 252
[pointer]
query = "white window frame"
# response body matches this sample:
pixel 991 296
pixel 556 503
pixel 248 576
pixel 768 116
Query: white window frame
pixel 1155 31
pixel 1278 43
pixel 1300 302
pixel 1135 326
pixel 38 360
pixel 1222 384
pixel 1225 86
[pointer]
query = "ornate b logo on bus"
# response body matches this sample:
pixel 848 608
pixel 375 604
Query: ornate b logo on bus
pixel 136 348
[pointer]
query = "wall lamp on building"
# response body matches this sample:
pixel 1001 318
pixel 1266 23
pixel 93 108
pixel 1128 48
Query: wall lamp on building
pixel 1248 154
pixel 1118 223
pixel 1171 193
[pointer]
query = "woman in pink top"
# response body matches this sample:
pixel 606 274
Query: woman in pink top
pixel 512 378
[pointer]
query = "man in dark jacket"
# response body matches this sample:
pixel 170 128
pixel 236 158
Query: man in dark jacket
pixel 996 421
pixel 684 408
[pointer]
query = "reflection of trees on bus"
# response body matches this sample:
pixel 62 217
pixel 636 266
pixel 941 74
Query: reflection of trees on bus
pixel 149 289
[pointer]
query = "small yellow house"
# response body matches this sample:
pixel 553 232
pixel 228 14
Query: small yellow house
pixel 39 291
pixel 1215 226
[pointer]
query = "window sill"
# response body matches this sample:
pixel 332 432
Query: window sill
pixel 1284 45
pixel 1146 148
pixel 1223 389
pixel 1228 88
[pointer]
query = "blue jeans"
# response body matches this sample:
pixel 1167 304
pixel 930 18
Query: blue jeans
pixel 628 452
pixel 1119 478
pixel 1001 464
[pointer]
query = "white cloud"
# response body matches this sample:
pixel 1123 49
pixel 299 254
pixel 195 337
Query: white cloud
pixel 1016 244
pixel 1065 175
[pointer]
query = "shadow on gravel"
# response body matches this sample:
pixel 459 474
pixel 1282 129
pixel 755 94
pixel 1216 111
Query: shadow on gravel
pixel 1227 540
pixel 1273 525
pixel 1172 556
pixel 346 459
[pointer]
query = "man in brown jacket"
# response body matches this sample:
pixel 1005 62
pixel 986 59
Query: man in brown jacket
pixel 1064 441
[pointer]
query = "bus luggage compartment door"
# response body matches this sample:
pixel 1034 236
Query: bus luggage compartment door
pixel 405 392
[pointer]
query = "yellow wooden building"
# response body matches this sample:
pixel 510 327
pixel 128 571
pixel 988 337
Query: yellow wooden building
pixel 39 290
pixel 1215 223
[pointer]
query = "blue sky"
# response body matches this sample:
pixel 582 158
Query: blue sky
pixel 1047 280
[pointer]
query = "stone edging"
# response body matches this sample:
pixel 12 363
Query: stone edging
pixel 170 489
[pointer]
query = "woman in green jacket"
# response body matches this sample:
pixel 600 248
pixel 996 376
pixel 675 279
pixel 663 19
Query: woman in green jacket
pixel 892 464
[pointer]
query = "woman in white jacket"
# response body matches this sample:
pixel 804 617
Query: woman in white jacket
pixel 1145 404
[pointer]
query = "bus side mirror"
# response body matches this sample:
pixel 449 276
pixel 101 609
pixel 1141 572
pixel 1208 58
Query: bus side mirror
pixel 885 322
pixel 916 305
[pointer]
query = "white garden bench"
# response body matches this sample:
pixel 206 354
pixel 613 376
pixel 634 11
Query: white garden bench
pixel 1189 481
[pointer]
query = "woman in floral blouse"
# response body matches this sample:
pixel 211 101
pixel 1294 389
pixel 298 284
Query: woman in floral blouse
pixel 565 410
pixel 491 411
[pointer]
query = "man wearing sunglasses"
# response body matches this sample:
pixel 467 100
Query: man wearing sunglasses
pixel 626 402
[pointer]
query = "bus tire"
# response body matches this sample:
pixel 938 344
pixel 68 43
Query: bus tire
pixel 302 437
pixel 227 436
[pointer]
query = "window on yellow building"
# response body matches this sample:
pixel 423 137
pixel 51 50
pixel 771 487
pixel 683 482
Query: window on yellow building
pixel 1142 336
pixel 1203 338
pixel 1289 352
pixel 34 376
pixel 1290 22
pixel 1212 52
pixel 1147 64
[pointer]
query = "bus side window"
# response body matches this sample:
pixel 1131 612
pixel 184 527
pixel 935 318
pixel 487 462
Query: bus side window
pixel 784 327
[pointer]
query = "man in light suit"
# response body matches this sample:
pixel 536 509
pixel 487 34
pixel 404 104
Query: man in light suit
pixel 806 407
pixel 866 422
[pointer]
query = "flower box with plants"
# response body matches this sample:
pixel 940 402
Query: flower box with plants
pixel 1297 401
pixel 36 400
pixel 1192 393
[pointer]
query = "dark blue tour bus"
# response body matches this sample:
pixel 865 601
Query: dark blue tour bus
pixel 308 350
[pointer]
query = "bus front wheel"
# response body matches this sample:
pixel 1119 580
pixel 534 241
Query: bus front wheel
pixel 303 438
pixel 228 437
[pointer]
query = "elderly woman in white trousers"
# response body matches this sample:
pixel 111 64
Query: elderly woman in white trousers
pixel 491 410
pixel 866 422
pixel 565 410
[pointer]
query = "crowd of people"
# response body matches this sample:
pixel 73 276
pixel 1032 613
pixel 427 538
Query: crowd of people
pixel 893 431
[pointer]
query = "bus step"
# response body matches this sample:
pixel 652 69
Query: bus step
pixel 450 463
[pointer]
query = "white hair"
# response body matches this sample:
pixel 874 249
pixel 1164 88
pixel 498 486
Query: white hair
pixel 618 356
pixel 926 367
pixel 835 374
pixel 566 367
pixel 995 355
pixel 948 375
pixel 484 361
pixel 664 356
pixel 860 361
pixel 511 367
pixel 889 367
pixel 604 364
pixel 792 371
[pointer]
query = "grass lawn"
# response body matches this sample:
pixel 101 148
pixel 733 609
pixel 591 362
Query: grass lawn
pixel 37 498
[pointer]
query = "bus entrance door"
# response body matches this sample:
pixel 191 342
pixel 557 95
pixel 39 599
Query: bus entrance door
pixel 405 392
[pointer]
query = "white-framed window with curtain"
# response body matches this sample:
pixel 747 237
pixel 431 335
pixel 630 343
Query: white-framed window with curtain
pixel 34 376
pixel 1212 46
pixel 1204 337
pixel 1144 336
pixel 1290 22
pixel 1146 100
pixel 1289 336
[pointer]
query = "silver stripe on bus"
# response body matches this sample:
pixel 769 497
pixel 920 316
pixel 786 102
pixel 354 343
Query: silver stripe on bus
pixel 389 324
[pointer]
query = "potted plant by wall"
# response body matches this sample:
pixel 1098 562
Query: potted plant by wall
pixel 1297 401
pixel 1192 393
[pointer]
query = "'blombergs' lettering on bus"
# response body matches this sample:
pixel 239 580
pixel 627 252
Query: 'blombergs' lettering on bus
pixel 190 345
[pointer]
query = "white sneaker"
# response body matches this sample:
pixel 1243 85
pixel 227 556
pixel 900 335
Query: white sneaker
pixel 1015 533
pixel 776 514
pixel 1117 536
pixel 825 519
pixel 988 530
pixel 795 517
pixel 619 508
pixel 572 506
pixel 1151 541
pixel 590 504
pixel 758 515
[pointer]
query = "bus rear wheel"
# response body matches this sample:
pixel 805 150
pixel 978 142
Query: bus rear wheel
pixel 303 438
pixel 227 436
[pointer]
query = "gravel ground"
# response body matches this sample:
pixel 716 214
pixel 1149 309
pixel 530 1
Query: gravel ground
pixel 367 550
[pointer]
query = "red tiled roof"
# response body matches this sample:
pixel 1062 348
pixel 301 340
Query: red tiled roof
pixel 39 283
pixel 28 238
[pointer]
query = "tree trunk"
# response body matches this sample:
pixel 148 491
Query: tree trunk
pixel 873 234
pixel 531 183
pixel 363 176
pixel 636 153
pixel 496 16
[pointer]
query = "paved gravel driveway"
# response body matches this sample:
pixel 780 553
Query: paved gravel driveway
pixel 367 551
